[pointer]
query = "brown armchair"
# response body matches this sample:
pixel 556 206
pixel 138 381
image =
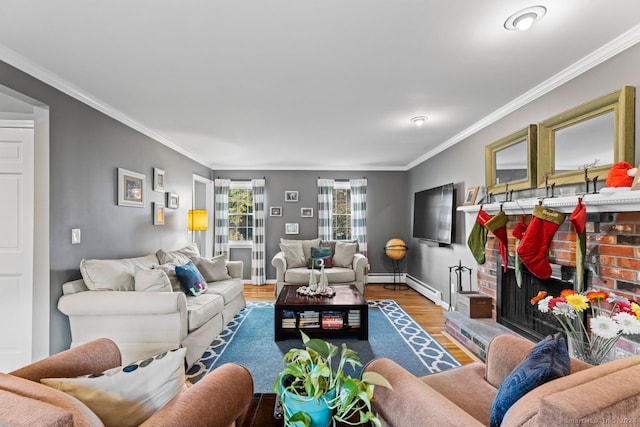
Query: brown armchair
pixel 221 398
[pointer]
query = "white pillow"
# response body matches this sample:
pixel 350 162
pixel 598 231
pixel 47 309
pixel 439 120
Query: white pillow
pixel 343 256
pixel 306 245
pixel 180 256
pixel 113 274
pixel 214 269
pixel 128 395
pixel 293 254
pixel 170 271
pixel 151 280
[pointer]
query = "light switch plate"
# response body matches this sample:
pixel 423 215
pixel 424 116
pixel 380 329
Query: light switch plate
pixel 75 236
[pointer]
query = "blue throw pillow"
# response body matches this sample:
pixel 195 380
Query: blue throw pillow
pixel 547 361
pixel 315 264
pixel 191 279
pixel 320 252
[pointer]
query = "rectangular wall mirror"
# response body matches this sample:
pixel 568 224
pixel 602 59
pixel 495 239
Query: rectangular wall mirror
pixel 595 135
pixel 511 161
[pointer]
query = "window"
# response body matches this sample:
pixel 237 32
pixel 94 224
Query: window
pixel 240 213
pixel 341 224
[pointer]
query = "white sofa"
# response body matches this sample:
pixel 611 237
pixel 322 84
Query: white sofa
pixel 141 323
pixel 355 272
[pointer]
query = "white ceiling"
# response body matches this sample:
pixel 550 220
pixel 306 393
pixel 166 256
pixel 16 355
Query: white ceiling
pixel 301 84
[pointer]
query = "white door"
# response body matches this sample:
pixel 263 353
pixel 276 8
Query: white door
pixel 16 247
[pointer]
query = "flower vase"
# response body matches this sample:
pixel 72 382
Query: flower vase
pixel 594 352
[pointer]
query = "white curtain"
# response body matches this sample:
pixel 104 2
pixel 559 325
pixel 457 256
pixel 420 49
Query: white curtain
pixel 221 230
pixel 257 252
pixel 325 208
pixel 359 213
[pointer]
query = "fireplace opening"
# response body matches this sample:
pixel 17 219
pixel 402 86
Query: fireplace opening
pixel 513 303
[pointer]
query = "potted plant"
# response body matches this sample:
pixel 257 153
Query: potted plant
pixel 313 391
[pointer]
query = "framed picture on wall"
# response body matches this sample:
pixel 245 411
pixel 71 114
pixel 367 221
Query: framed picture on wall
pixel 306 212
pixel 275 211
pixel 158 213
pixel 291 196
pixel 158 180
pixel 173 201
pixel 470 195
pixel 291 228
pixel 130 188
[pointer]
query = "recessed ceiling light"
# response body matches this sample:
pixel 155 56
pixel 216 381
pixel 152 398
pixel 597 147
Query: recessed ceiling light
pixel 418 120
pixel 524 19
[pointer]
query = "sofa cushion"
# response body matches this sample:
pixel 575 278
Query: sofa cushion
pixel 170 271
pixel 191 279
pixel 151 280
pixel 227 289
pixel 334 275
pixel 343 256
pixel 113 274
pixel 179 256
pixel 213 269
pixel 306 245
pixel 547 361
pixel 202 308
pixel 128 395
pixel 293 254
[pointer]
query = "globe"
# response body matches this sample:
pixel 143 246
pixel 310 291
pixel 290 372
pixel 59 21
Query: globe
pixel 395 249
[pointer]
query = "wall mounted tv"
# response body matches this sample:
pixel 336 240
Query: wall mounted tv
pixel 434 214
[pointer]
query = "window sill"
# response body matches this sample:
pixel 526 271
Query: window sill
pixel 238 244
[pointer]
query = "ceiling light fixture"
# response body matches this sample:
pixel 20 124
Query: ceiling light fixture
pixel 418 120
pixel 524 19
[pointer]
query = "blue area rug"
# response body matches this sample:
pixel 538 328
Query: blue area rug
pixel 248 340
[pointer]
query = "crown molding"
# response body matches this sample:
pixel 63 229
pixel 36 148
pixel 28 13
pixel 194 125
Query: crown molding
pixel 609 50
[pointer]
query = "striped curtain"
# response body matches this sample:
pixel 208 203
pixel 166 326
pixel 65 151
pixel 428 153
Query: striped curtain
pixel 257 252
pixel 325 208
pixel 221 230
pixel 359 213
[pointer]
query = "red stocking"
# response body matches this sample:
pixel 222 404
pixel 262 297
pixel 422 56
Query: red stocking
pixel 535 243
pixel 498 226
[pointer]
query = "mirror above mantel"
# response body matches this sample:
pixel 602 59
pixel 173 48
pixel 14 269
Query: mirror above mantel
pixel 510 162
pixel 594 135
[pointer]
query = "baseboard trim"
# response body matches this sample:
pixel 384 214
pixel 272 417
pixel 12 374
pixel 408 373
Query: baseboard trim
pixel 426 290
pixel 385 278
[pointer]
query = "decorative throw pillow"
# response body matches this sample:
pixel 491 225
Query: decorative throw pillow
pixel 547 361
pixel 320 252
pixel 151 280
pixel 113 274
pixel 191 280
pixel 306 245
pixel 214 269
pixel 180 256
pixel 343 257
pixel 170 271
pixel 128 395
pixel 316 263
pixel 293 254
pixel 323 254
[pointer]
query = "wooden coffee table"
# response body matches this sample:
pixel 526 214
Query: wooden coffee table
pixel 346 313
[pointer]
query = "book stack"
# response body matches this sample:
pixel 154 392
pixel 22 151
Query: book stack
pixel 354 318
pixel 309 319
pixel 288 319
pixel 332 320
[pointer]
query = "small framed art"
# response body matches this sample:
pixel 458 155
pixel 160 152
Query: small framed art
pixel 291 196
pixel 130 188
pixel 470 195
pixel 306 212
pixel 275 211
pixel 158 213
pixel 291 228
pixel 173 200
pixel 158 179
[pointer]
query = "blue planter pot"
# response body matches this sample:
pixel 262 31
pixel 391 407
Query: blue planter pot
pixel 317 409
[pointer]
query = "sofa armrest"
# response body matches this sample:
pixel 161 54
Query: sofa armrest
pixel 505 352
pixel 117 303
pixel 280 263
pixel 89 358
pixel 412 402
pixel 221 398
pixel 235 269
pixel 360 266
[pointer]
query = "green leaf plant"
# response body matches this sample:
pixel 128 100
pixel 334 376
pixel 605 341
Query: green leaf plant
pixel 309 372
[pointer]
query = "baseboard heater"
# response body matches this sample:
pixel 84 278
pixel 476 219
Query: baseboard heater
pixel 426 290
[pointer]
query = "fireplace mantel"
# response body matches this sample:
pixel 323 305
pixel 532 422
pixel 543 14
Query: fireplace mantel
pixel 617 201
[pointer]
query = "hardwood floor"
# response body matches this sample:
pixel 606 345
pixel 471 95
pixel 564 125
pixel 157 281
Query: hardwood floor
pixel 424 311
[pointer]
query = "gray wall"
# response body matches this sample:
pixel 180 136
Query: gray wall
pixel 86 148
pixel 386 196
pixel 463 164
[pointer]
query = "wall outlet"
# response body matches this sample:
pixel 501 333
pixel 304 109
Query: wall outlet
pixel 75 236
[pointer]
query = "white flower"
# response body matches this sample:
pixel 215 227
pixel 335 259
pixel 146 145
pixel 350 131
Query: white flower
pixel 564 309
pixel 543 304
pixel 604 327
pixel 627 323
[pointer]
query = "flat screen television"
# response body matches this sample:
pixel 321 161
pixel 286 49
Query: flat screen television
pixel 434 214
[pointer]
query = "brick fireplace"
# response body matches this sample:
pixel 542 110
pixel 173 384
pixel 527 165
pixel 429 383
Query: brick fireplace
pixel 612 262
